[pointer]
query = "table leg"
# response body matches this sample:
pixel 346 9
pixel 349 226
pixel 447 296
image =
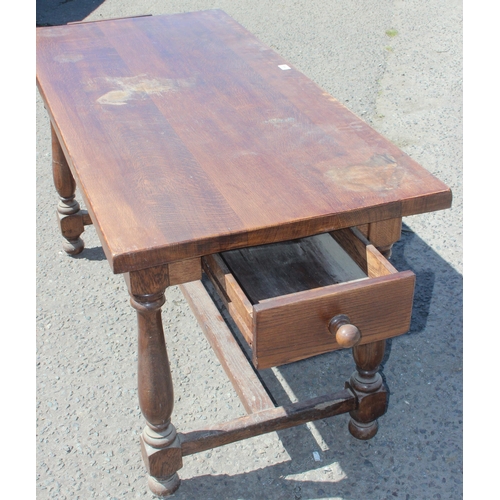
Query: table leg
pixel 160 445
pixel 71 219
pixel 367 384
pixel 383 234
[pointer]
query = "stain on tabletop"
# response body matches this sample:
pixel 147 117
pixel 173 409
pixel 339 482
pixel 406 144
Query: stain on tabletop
pixel 380 173
pixel 138 87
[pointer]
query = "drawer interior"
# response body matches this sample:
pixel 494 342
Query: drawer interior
pixel 268 271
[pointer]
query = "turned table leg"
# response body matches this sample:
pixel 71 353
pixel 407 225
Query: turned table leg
pixel 383 234
pixel 366 382
pixel 160 445
pixel 71 219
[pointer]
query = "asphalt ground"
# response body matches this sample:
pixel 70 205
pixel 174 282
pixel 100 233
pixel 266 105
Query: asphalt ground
pixel 398 65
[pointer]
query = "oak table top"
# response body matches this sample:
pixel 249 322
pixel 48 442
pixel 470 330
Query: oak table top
pixel 188 136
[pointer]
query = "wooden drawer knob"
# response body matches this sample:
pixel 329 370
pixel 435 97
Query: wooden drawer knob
pixel 346 335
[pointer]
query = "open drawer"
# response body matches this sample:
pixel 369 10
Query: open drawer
pixel 292 300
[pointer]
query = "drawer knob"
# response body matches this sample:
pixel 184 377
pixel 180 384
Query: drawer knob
pixel 346 335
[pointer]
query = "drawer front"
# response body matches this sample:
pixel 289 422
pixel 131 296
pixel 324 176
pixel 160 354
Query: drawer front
pixel 295 326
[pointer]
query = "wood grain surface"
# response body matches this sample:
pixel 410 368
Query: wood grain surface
pixel 186 137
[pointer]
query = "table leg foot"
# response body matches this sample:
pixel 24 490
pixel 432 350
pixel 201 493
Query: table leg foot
pixel 162 455
pixel 71 224
pixel 363 431
pixel 71 218
pixel 73 247
pixel 164 486
pixel 367 384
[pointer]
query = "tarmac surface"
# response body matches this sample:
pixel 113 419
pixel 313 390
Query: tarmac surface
pixel 397 65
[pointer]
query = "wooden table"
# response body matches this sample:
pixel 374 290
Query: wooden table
pixel 199 150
